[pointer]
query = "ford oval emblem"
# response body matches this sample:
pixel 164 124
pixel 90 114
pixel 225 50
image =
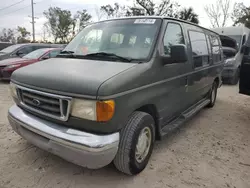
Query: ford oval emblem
pixel 36 102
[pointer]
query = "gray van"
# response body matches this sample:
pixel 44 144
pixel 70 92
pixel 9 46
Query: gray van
pixel 20 50
pixel 117 87
pixel 232 65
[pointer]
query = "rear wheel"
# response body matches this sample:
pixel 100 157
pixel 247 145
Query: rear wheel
pixel 136 143
pixel 213 95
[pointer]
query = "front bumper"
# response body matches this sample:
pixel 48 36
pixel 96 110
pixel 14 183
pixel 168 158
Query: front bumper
pixel 5 75
pixel 229 72
pixel 82 148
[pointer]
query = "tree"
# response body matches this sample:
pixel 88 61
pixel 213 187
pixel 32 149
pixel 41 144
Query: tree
pixel 142 8
pixel 99 13
pixel 218 13
pixel 23 34
pixel 84 18
pixel 7 35
pixel 164 8
pixel 114 11
pixel 189 15
pixel 59 23
pixel 241 14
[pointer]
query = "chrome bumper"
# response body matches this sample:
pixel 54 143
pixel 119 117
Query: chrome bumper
pixel 82 148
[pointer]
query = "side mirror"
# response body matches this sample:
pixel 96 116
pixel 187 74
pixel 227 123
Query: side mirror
pixel 19 53
pixel 178 53
pixel 44 58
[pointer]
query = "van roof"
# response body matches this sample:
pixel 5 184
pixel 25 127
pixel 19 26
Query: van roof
pixel 159 17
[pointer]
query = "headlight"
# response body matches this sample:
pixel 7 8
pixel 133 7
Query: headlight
pixel 229 61
pixel 13 66
pixel 13 90
pixel 93 110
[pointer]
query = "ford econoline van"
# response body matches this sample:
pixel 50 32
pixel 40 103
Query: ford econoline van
pixel 118 86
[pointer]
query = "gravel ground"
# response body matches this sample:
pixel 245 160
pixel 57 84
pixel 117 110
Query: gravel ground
pixel 211 150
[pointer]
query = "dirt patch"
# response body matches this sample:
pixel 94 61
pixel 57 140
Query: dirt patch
pixel 211 150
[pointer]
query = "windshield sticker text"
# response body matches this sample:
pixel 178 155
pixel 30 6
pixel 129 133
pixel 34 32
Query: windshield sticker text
pixel 144 21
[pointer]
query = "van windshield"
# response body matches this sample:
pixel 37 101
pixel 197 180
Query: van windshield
pixel 237 38
pixel 128 38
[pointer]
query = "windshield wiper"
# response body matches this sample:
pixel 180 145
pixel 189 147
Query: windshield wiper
pixel 112 55
pixel 66 53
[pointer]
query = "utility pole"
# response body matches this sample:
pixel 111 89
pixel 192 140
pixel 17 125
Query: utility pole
pixel 33 20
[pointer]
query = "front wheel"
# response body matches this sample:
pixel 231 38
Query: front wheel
pixel 213 95
pixel 136 143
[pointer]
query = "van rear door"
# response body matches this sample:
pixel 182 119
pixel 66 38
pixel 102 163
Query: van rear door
pixel 245 70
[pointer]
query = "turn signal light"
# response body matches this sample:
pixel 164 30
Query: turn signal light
pixel 105 110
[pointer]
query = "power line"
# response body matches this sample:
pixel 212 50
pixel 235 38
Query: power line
pixel 12 5
pixel 16 10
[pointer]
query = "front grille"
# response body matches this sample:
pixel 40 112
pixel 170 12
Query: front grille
pixel 51 105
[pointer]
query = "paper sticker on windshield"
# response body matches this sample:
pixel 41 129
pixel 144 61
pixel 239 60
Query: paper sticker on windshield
pixel 144 21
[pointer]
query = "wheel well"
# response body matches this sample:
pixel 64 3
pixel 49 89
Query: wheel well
pixel 151 109
pixel 217 81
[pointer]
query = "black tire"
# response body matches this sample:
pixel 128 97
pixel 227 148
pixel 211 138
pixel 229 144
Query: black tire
pixel 125 160
pixel 211 97
pixel 235 79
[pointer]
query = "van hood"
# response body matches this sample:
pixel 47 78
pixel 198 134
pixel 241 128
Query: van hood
pixel 76 76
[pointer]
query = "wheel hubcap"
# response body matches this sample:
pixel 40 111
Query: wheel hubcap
pixel 143 144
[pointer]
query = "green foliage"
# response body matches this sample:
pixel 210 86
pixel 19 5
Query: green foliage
pixel 149 8
pixel 143 8
pixel 23 34
pixel 241 14
pixel 84 18
pixel 7 35
pixel 113 11
pixel 59 23
pixel 189 15
pixel 62 25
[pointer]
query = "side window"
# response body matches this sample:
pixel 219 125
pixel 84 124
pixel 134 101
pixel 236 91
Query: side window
pixel 54 53
pixel 117 38
pixel 216 51
pixel 209 44
pixel 132 40
pixel 199 48
pixel 173 35
pixel 26 50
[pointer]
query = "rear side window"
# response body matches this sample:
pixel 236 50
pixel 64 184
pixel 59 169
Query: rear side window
pixel 216 50
pixel 199 48
pixel 173 35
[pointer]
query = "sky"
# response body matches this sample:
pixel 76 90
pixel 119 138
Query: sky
pixel 19 14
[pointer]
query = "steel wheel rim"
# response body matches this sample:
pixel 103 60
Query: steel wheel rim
pixel 143 144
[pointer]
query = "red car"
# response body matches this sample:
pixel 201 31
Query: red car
pixel 8 66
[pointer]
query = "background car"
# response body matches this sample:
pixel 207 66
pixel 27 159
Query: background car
pixel 20 50
pixel 8 66
pixel 5 45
